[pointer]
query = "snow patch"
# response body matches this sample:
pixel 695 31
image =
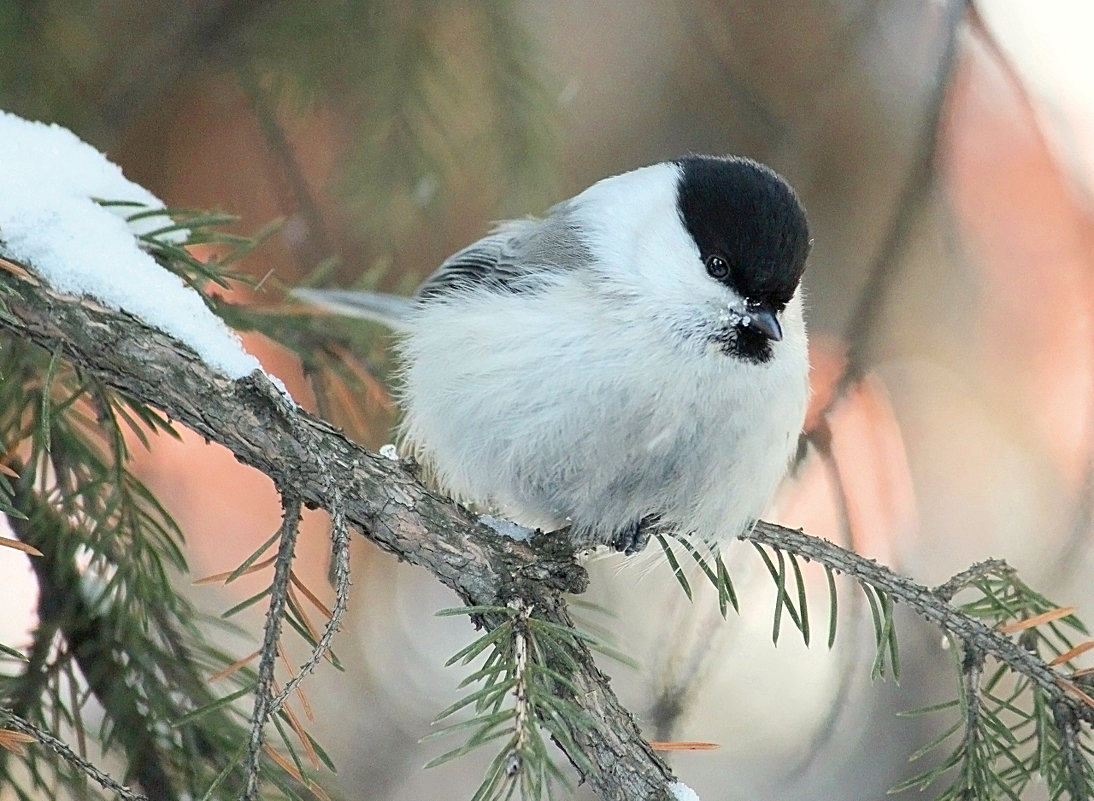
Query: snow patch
pixel 50 221
pixel 681 792
pixel 507 528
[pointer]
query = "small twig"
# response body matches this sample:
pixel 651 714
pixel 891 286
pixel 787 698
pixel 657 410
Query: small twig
pixel 263 708
pixel 523 709
pixel 17 723
pixel 972 669
pixel 966 578
pixel 340 554
pixel 927 604
pixel 1067 724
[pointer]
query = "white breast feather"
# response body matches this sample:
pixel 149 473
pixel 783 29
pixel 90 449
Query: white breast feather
pixel 601 412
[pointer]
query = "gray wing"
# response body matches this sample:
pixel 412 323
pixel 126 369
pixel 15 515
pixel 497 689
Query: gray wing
pixel 516 257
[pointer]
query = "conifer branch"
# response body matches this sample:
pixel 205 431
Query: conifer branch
pixel 279 593
pixel 265 430
pixel 930 605
pixel 340 557
pixel 12 721
pixel 306 458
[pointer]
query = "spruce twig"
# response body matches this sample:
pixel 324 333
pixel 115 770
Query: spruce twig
pixel 926 603
pixel 253 420
pixel 263 693
pixel 12 721
pixel 340 556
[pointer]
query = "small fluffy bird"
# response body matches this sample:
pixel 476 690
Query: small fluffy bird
pixel 633 362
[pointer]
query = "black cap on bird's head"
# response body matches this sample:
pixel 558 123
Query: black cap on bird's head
pixel 752 235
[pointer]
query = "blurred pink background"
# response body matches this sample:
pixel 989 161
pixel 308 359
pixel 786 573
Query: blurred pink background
pixel 970 436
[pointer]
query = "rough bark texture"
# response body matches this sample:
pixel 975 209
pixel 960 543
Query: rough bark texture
pixel 309 459
pixel 380 497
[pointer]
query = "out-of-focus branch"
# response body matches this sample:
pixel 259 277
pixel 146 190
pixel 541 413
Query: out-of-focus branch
pixel 294 194
pixel 89 638
pixel 867 312
pixel 848 657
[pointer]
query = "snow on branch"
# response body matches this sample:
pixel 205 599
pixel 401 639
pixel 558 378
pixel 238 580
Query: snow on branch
pixel 69 212
pixel 75 280
pixel 382 499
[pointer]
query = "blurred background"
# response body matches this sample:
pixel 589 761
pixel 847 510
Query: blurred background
pixel 945 155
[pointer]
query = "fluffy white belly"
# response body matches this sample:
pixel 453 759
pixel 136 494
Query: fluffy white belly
pixel 598 432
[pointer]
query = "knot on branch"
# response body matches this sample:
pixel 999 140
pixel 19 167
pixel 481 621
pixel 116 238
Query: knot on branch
pixel 544 564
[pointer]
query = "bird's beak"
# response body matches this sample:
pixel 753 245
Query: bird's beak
pixel 762 317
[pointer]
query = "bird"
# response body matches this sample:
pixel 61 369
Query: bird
pixel 633 362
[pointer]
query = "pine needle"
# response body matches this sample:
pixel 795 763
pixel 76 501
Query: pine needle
pixel 311 596
pixel 684 745
pixel 16 545
pixel 1077 651
pixel 14 741
pixel 228 575
pixel 235 667
pixel 1037 620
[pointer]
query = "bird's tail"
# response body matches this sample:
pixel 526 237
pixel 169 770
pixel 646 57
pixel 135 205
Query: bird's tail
pixel 390 310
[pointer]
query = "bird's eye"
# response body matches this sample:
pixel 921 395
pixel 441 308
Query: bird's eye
pixel 717 267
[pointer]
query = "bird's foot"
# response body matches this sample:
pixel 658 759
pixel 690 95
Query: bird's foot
pixel 635 537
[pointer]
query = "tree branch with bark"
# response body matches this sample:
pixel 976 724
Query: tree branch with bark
pixel 313 464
